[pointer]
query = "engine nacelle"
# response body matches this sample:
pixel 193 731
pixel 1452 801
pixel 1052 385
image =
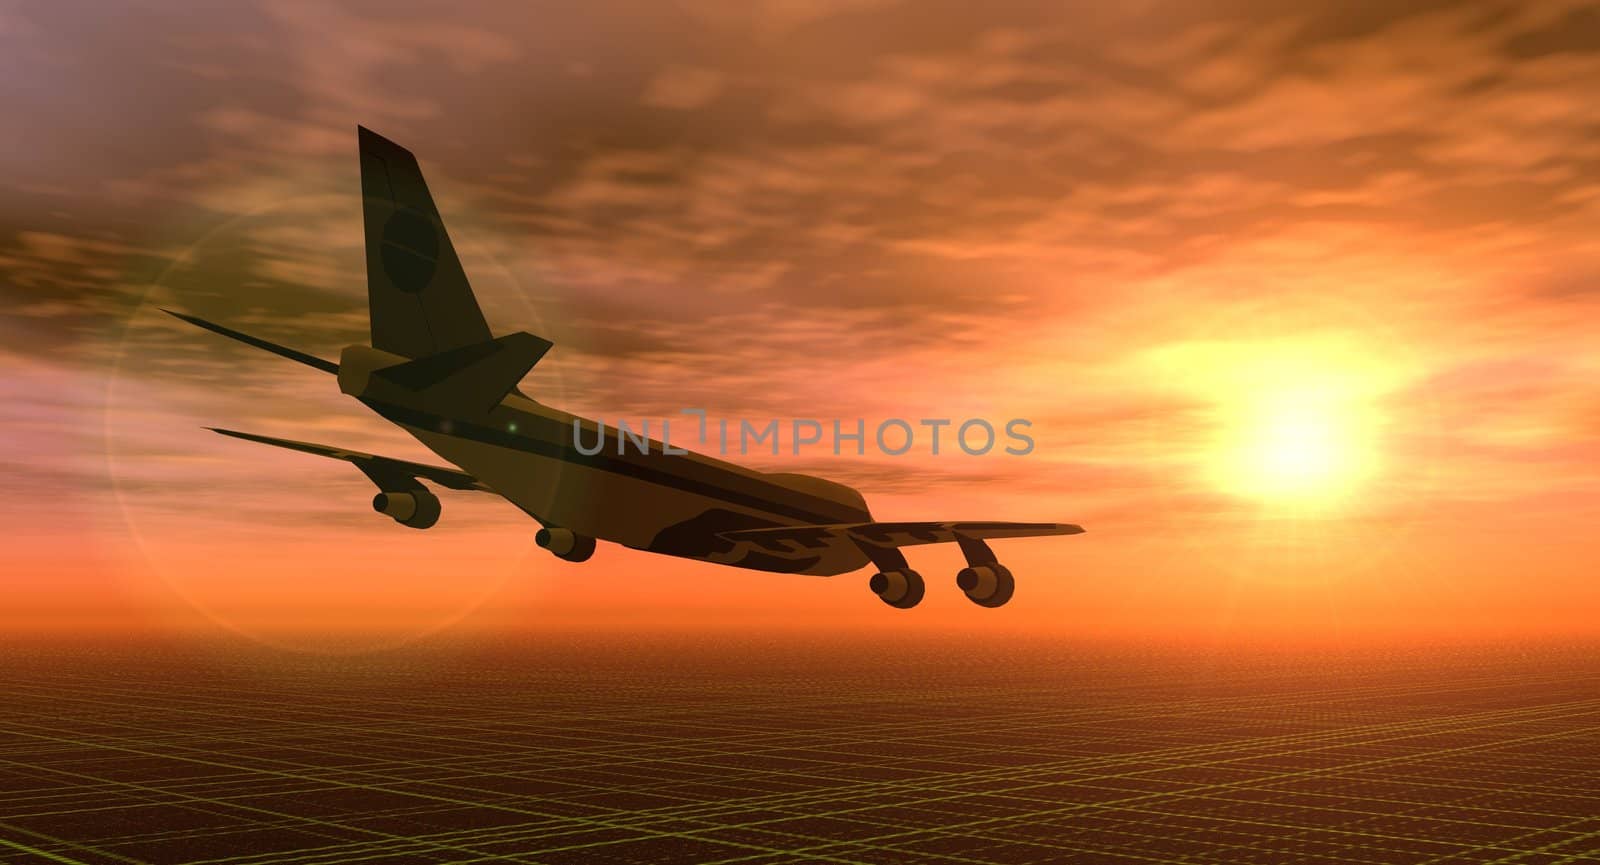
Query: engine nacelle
pixel 987 585
pixel 418 509
pixel 565 544
pixel 901 589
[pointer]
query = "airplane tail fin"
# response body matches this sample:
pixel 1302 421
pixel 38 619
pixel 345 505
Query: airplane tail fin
pixel 421 303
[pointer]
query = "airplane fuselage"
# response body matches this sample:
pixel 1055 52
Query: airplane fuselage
pixel 676 503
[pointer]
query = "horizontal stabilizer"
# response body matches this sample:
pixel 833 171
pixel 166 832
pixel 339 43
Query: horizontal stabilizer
pixel 473 378
pixel 247 339
pixel 792 539
pixel 380 469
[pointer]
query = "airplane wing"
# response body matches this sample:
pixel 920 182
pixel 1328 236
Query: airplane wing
pixel 375 467
pixel 793 539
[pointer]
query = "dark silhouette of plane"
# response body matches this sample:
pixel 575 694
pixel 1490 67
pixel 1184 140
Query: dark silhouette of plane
pixel 434 369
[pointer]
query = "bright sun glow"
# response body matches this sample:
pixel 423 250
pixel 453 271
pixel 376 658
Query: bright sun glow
pixel 1308 445
pixel 1295 424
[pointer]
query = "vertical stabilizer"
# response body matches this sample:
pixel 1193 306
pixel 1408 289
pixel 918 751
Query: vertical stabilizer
pixel 420 301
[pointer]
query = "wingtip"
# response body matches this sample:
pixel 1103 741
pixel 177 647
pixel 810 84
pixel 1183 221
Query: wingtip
pixel 185 317
pixel 374 143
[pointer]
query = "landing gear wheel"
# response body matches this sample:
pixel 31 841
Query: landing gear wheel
pixel 901 589
pixel 989 585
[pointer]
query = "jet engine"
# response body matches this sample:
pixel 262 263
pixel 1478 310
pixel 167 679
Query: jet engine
pixel 987 585
pixel 416 508
pixel 901 589
pixel 565 544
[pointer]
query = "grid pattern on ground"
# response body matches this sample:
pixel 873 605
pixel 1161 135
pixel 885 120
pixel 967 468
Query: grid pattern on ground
pixel 667 752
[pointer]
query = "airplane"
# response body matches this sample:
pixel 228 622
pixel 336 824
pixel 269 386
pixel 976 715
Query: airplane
pixel 435 370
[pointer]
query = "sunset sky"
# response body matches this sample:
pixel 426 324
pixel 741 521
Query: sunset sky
pixel 1301 300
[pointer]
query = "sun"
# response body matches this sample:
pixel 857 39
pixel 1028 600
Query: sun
pixel 1294 425
pixel 1305 443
